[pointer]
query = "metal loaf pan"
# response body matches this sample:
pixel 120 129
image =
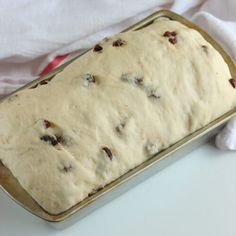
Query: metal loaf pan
pixel 11 186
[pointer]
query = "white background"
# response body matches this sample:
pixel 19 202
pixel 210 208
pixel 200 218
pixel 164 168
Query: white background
pixel 194 196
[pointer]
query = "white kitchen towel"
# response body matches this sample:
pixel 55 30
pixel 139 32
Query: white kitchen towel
pixel 226 139
pixel 36 36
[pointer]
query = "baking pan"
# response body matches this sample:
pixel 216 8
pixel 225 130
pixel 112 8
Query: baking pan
pixel 11 186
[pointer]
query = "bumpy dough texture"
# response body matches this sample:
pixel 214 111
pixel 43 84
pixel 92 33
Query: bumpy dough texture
pixel 110 110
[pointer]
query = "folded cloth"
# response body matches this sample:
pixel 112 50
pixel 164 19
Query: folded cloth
pixel 38 36
pixel 226 139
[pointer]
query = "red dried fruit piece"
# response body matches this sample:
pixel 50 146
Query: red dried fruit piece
pixel 67 168
pixel 47 124
pixel 53 140
pixel 97 48
pixel 43 82
pixel 59 138
pixel 233 82
pixel 173 40
pixel 50 139
pixel 35 86
pixel 169 34
pixel 118 43
pixel 108 152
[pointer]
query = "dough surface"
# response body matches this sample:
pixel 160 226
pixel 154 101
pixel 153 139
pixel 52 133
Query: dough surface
pixel 135 94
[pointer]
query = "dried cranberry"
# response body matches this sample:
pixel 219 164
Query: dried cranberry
pixel 47 124
pixel 167 34
pixel 67 168
pixel 43 82
pixel 50 139
pixel 35 86
pixel 118 43
pixel 59 138
pixel 97 48
pixel 108 152
pixel 171 36
pixel 233 82
pixel 173 40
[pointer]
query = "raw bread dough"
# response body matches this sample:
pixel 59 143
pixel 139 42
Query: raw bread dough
pixel 110 110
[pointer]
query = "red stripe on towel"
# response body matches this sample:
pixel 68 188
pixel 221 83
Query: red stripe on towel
pixel 53 64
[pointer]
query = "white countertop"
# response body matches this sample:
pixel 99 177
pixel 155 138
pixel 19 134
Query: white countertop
pixel 194 196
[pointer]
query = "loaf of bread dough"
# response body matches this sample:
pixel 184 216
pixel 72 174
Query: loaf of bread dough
pixel 131 96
